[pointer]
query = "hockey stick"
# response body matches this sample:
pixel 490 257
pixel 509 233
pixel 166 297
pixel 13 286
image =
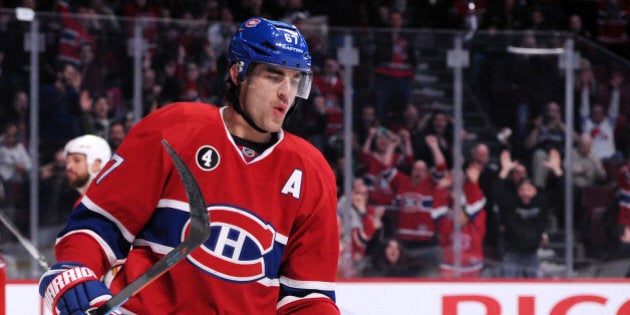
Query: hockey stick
pixel 199 233
pixel 30 247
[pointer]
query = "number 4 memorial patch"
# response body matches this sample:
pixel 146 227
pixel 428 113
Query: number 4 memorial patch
pixel 207 158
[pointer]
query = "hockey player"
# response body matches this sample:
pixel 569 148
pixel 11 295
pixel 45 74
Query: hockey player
pixel 271 198
pixel 85 157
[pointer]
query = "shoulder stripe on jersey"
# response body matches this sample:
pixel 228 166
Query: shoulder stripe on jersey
pixel 94 207
pixel 290 299
pixel 310 285
pixel 111 257
pixel 282 239
pixel 268 282
pixel 175 204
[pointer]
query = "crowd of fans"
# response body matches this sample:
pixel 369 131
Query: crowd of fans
pixel 403 210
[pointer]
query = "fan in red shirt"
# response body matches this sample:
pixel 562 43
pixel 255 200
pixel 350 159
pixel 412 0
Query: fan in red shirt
pixel 472 223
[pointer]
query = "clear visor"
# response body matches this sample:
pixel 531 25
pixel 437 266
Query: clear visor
pixel 275 78
pixel 304 85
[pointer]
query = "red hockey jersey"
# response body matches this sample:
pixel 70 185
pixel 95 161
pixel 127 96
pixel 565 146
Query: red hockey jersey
pixel 414 203
pixel 274 241
pixel 471 234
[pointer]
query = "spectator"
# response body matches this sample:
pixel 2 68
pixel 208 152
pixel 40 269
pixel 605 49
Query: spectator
pixel 523 211
pixel 489 174
pixel 99 118
pixel 612 26
pixel 588 170
pixel 136 10
pixel 91 68
pixel 364 221
pixel 548 133
pixel 528 86
pixel 601 124
pixel 63 108
pixel 73 35
pixel 310 121
pixel 471 221
pixel 219 33
pixel 168 80
pixel 102 7
pixel 380 152
pixel 194 86
pixel 117 106
pixel 15 163
pixel 510 174
pixel 117 133
pixel 367 120
pixel 394 62
pixel 524 218
pixel 410 120
pixel 18 114
pixel 439 125
pixel 56 204
pixel 201 81
pixel 414 200
pixel 330 85
pixel 390 261
pixel 150 91
pixel 587 87
pixel 538 20
pixel 576 26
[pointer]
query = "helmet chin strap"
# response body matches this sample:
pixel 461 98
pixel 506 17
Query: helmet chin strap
pixel 236 103
pixel 241 111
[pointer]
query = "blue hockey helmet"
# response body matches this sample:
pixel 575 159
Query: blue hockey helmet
pixel 260 40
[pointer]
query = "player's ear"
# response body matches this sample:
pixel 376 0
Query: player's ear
pixel 96 166
pixel 234 73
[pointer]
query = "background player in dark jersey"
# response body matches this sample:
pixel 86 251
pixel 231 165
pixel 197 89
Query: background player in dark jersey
pixel 270 195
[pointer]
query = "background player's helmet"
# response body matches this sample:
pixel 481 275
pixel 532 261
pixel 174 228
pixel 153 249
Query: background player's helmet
pixel 94 148
pixel 260 40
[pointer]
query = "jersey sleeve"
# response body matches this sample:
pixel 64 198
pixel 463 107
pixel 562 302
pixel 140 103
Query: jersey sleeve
pixel 309 266
pixel 475 200
pixel 118 203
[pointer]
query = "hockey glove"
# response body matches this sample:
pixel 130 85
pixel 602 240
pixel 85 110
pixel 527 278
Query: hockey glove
pixel 70 288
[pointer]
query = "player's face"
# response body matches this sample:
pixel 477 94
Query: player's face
pixel 267 93
pixel 77 170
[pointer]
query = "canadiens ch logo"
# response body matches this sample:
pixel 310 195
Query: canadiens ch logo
pixel 252 22
pixel 238 241
pixel 207 158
